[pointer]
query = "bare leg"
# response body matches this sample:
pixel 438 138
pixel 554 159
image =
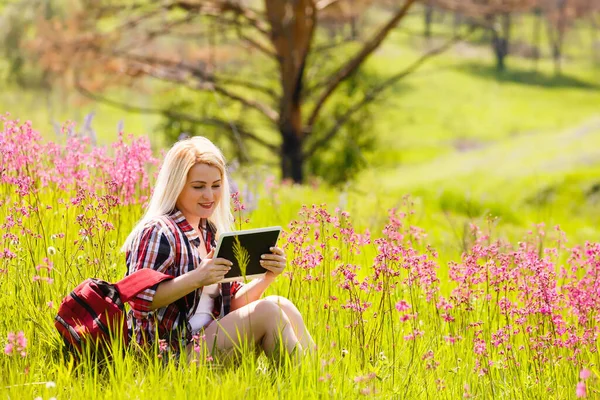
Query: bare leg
pixel 261 322
pixel 296 319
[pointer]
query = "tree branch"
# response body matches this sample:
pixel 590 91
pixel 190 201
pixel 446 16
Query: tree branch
pixel 323 4
pixel 352 65
pixel 377 90
pixel 249 85
pixel 181 116
pixel 204 81
pixel 260 47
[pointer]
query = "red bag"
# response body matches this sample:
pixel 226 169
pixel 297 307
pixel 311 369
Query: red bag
pixel 94 312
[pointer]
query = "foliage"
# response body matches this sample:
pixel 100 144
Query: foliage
pixel 345 156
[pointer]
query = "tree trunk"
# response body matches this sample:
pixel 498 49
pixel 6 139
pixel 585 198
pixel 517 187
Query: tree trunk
pixel 557 44
pixel 500 42
pixel 292 161
pixel 537 37
pixel 595 43
pixel 291 38
pixel 556 36
pixel 428 20
pixel 556 56
pixel 456 22
pixel 354 31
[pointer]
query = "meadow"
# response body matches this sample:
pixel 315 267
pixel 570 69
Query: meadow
pixel 390 317
pixel 463 263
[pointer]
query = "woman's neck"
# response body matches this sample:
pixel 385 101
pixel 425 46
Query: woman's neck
pixel 194 222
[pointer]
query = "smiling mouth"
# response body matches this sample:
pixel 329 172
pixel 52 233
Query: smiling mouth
pixel 206 205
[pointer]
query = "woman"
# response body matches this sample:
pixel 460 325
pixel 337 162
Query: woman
pixel 189 207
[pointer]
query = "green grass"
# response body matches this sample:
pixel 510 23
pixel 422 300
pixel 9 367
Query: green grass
pixel 342 367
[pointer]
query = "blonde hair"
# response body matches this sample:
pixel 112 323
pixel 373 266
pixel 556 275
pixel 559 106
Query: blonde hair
pixel 172 178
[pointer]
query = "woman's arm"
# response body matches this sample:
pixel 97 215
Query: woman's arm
pixel 251 291
pixel 210 270
pixel 172 290
pixel 274 264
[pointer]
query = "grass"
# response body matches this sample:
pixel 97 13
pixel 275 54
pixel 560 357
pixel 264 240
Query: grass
pixel 359 353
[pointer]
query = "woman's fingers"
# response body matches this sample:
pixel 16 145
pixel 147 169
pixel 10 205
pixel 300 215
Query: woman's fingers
pixel 222 261
pixel 273 257
pixel 272 268
pixel 274 263
pixel 277 250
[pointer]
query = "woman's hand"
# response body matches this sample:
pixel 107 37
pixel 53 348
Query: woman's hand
pixel 211 270
pixel 274 263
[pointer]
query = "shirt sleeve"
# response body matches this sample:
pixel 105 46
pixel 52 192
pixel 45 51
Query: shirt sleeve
pixel 152 250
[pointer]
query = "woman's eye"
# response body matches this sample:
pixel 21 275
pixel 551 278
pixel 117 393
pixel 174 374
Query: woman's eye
pixel 216 187
pixel 198 187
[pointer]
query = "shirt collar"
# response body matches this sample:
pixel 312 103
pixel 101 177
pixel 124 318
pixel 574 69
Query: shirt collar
pixel 186 228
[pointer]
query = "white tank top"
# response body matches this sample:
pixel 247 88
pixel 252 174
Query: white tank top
pixel 206 304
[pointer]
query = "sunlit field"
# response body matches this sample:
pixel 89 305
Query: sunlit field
pixel 392 314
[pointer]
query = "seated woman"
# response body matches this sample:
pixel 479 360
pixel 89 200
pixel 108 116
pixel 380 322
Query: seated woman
pixel 188 209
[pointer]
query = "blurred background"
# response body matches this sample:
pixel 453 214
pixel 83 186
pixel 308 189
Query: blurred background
pixel 483 111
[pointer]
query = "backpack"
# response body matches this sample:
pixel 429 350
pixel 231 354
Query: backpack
pixel 94 312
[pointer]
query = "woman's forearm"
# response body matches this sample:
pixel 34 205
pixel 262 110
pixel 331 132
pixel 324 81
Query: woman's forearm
pixel 251 291
pixel 172 290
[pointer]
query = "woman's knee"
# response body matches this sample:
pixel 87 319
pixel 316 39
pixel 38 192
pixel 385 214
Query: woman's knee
pixel 286 305
pixel 280 301
pixel 268 311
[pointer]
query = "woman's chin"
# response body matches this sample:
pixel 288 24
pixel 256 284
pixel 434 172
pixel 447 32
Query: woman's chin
pixel 206 213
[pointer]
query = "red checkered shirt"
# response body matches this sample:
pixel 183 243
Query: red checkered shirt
pixel 169 244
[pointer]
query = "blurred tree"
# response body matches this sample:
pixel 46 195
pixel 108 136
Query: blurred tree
pixel 16 24
pixel 560 16
pixel 494 15
pixel 267 63
pixel 428 10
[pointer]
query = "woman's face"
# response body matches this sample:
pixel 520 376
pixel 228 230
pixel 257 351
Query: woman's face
pixel 201 193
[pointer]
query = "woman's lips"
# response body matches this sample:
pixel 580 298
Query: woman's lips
pixel 207 205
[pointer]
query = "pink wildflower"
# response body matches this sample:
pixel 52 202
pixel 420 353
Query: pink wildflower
pixel 21 340
pixel 402 305
pixel 584 374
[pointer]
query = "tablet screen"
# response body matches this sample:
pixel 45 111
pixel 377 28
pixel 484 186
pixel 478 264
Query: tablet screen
pixel 244 248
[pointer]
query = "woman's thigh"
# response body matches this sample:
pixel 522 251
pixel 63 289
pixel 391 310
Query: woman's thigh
pixel 241 327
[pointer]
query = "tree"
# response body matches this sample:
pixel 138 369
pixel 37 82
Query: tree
pixel 16 21
pixel 493 15
pixel 203 45
pixel 560 16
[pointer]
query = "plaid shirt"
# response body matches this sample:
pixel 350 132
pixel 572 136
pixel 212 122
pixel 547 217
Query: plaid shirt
pixel 169 245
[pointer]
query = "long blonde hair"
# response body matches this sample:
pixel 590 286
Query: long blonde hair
pixel 172 178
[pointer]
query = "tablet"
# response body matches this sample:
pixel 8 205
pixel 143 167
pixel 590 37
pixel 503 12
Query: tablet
pixel 246 247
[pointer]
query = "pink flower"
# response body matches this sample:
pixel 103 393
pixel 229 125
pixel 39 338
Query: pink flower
pixel 21 340
pixel 584 374
pixel 162 345
pixel 8 349
pixel 402 305
pixel 50 304
pixel 580 390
